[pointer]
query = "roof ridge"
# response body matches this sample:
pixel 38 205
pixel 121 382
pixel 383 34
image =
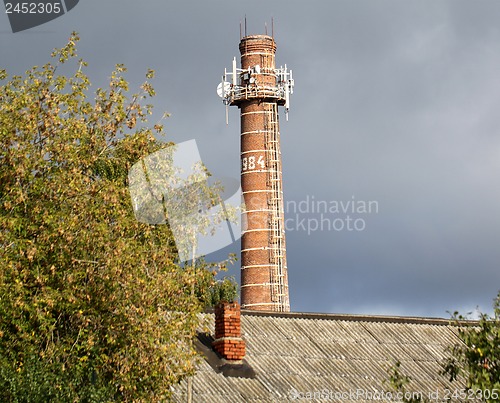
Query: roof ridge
pixel 358 317
pixel 419 320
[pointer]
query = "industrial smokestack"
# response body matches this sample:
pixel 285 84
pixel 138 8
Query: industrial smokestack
pixel 260 87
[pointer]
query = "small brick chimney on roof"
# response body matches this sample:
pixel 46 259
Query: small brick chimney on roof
pixel 228 342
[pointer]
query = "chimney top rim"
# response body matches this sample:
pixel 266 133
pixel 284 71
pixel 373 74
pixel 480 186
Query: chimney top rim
pixel 257 36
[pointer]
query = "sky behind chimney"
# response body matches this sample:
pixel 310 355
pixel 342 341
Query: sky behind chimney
pixel 395 103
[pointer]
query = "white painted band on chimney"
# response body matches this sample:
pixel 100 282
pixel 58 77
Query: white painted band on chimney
pixel 257 191
pixel 256 230
pixel 257 265
pixel 260 285
pixel 262 303
pixel 261 248
pixel 256 151
pixel 257 113
pixel 256 211
pixel 258 171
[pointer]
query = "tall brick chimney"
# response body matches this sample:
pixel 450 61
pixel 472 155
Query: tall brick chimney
pixel 228 342
pixel 257 89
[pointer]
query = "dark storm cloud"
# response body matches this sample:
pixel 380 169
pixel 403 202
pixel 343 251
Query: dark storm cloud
pixel 395 102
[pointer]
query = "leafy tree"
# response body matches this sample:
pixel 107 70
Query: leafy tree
pixel 475 360
pixel 93 303
pixel 478 357
pixel 225 290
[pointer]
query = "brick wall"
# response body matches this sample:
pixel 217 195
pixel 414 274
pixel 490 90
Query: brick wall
pixel 228 342
pixel 259 156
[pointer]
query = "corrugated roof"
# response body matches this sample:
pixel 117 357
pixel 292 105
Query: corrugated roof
pixel 338 357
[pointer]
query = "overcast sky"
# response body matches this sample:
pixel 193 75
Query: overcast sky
pixel 396 102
